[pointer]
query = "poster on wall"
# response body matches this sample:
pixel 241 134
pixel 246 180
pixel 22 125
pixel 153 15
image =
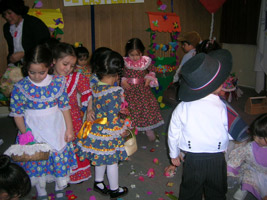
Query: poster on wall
pixel 98 2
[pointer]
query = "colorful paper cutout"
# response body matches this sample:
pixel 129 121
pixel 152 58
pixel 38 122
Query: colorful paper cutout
pixel 51 17
pixel 165 22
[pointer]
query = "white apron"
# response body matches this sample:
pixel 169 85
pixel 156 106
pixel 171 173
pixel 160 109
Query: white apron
pixel 48 126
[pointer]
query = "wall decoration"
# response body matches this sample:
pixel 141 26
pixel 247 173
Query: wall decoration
pixel 163 56
pixel 53 18
pixel 97 2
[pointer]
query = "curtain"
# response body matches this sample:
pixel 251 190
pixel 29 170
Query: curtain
pixel 261 52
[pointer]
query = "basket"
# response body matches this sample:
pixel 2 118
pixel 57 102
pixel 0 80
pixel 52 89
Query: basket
pixel 130 144
pixel 25 153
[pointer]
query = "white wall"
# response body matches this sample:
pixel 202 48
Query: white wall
pixel 243 63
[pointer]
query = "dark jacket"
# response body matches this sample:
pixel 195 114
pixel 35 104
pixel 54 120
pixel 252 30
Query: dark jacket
pixel 34 32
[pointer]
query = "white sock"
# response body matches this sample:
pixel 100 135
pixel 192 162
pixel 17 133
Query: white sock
pixel 40 190
pixel 99 175
pixel 59 191
pixel 113 176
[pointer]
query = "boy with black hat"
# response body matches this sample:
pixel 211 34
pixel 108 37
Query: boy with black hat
pixel 189 42
pixel 199 127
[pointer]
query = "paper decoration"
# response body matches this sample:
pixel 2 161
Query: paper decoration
pixel 53 18
pixel 166 22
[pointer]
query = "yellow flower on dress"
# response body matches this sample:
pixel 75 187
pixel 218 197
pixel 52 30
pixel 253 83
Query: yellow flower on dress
pixel 107 101
pixel 99 115
pixel 96 157
pixel 98 106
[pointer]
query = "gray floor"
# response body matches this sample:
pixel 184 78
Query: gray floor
pixel 138 165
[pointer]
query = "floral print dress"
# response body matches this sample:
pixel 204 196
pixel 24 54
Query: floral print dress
pixel 78 83
pixel 249 164
pixel 143 106
pixel 28 96
pixel 103 143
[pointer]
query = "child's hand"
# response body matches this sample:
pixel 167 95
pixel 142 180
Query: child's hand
pixel 147 82
pixel 125 85
pixel 69 135
pixel 90 116
pixel 124 134
pixel 177 161
pixel 124 111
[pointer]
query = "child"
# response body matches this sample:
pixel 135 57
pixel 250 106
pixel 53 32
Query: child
pixel 64 63
pixel 189 42
pixel 136 81
pixel 103 141
pixel 199 127
pixel 94 58
pixel 14 181
pixel 40 102
pixel 82 66
pixel 249 164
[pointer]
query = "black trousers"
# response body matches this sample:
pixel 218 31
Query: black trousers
pixel 204 174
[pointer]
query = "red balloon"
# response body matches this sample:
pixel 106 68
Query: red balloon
pixel 212 5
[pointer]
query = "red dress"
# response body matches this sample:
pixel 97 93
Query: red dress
pixel 78 83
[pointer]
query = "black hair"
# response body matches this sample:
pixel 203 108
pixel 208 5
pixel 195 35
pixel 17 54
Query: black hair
pixel 37 55
pixel 134 44
pixel 108 63
pixel 52 43
pixel 207 46
pixel 82 52
pixel 17 6
pixel 259 127
pixel 62 50
pixel 95 55
pixel 13 179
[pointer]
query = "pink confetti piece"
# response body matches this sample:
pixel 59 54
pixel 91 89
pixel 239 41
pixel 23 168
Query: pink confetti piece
pixel 149 192
pixel 89 189
pixel 68 192
pixel 141 178
pixel 92 198
pixel 151 173
pixel 156 161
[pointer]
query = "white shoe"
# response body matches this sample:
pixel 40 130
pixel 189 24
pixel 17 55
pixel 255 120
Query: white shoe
pixel 240 194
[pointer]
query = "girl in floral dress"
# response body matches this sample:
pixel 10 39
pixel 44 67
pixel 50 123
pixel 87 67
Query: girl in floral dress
pixel 64 63
pixel 102 139
pixel 40 102
pixel 138 77
pixel 248 163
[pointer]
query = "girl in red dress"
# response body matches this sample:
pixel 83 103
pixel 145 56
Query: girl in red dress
pixel 64 62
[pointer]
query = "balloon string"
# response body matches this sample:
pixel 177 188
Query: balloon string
pixel 211 25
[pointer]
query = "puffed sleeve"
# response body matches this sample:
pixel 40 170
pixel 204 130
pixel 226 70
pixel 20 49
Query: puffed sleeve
pixel 17 102
pixel 84 89
pixel 63 99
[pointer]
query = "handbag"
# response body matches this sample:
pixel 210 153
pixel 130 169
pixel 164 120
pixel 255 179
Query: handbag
pixel 170 95
pixel 131 144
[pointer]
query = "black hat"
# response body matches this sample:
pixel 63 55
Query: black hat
pixel 204 73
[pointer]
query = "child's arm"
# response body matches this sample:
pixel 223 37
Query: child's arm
pixel 125 84
pixel 20 124
pixel 69 135
pixel 90 116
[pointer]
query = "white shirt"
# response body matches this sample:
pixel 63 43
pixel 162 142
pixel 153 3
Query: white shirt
pixel 16 32
pixel 199 126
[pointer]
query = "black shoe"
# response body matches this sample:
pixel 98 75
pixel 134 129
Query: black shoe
pixel 104 191
pixel 114 194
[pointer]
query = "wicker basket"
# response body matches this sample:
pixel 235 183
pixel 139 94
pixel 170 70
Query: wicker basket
pixel 35 157
pixel 25 153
